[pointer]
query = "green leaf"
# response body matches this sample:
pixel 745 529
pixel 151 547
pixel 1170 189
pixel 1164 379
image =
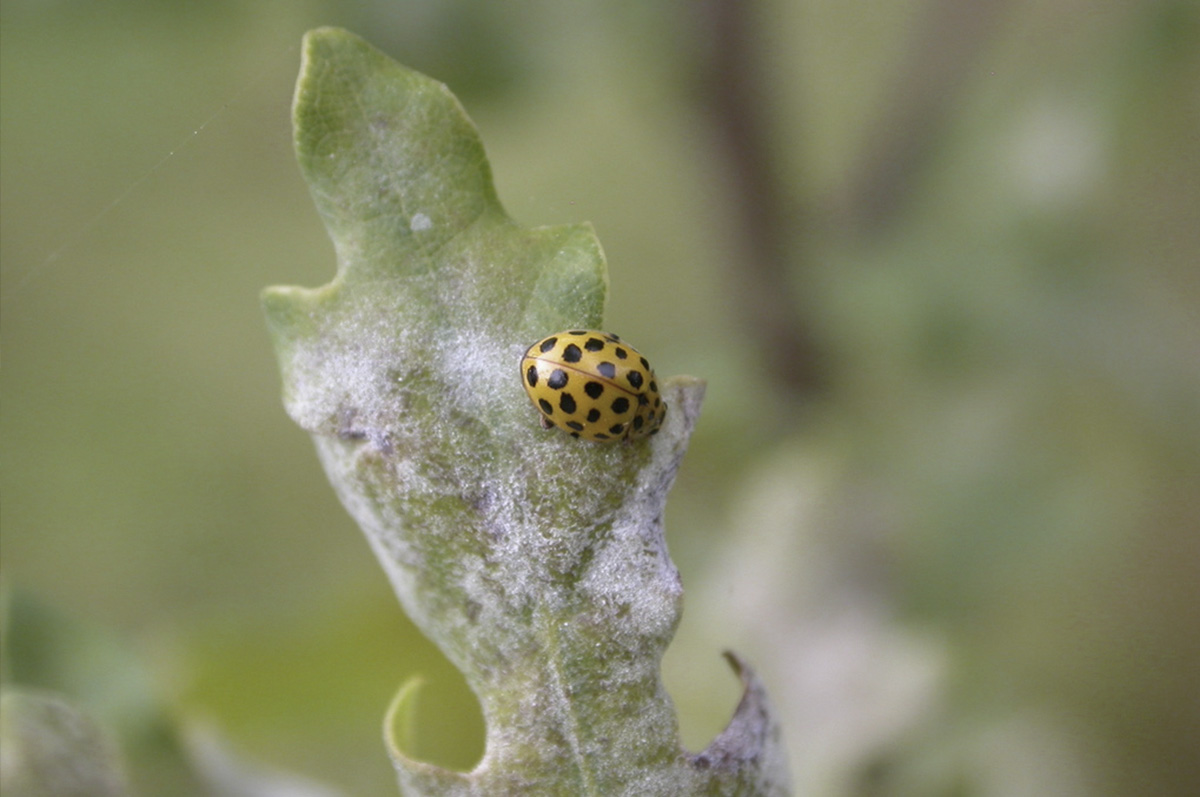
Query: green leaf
pixel 51 749
pixel 535 561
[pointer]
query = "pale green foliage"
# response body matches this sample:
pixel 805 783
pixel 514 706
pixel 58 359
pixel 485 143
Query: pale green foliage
pixel 49 748
pixel 535 561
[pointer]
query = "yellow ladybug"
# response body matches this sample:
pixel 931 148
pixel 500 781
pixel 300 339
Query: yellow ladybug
pixel 592 385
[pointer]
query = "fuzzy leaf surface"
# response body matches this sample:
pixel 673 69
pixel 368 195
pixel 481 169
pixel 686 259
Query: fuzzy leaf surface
pixel 535 561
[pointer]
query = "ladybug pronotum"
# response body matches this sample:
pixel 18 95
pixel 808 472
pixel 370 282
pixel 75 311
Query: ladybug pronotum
pixel 592 385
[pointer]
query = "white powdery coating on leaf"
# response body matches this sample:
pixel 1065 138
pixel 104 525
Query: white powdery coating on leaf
pixel 363 365
pixel 351 372
pixel 632 568
pixel 420 222
pixel 479 370
pixel 633 573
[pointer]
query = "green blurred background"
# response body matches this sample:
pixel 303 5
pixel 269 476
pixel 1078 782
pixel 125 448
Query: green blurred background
pixel 961 543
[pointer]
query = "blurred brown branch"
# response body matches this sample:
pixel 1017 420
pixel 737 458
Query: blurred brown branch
pixel 769 216
pixel 776 227
pixel 929 82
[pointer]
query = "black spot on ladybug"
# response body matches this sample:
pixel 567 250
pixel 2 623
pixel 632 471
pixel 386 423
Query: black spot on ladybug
pixel 594 344
pixel 645 364
pixel 576 425
pixel 642 400
pixel 571 354
pixel 548 344
pixel 558 379
pixel 637 422
pixel 593 415
pixel 653 386
pixel 635 378
pixel 578 332
pixel 607 370
pixel 621 353
pixel 531 376
pixel 593 389
pixel 601 436
pixel 620 405
pixel 545 405
pixel 617 429
pixel 567 403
